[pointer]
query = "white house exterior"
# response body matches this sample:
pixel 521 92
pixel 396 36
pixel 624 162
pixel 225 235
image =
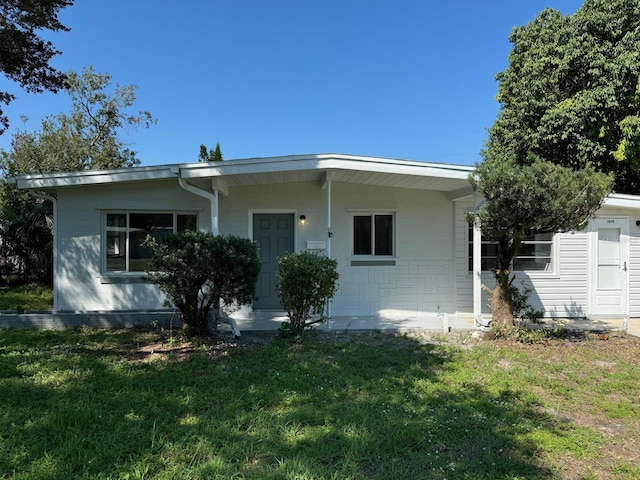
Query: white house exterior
pixel 397 229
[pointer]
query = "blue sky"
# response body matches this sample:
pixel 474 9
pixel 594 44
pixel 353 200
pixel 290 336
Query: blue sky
pixel 411 79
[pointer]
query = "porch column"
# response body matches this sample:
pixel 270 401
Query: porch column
pixel 477 275
pixel 329 235
pixel 215 229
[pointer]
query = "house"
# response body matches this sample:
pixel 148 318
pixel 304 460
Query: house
pixel 397 229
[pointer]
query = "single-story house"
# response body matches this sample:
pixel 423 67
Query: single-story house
pixel 397 229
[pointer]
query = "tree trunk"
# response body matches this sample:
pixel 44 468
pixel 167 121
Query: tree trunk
pixel 501 301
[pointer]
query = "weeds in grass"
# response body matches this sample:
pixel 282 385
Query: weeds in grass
pixel 28 297
pixel 126 404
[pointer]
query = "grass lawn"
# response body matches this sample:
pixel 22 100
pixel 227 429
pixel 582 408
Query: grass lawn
pixel 146 404
pixel 28 297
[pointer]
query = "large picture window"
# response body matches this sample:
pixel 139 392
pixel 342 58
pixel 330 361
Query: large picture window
pixel 373 235
pixel 535 254
pixel 125 233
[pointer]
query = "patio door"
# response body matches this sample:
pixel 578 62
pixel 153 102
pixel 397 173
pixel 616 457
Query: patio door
pixel 273 232
pixel 609 266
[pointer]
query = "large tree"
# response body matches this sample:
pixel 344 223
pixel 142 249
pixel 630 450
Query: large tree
pixel 89 137
pixel 571 92
pixel 24 55
pixel 569 115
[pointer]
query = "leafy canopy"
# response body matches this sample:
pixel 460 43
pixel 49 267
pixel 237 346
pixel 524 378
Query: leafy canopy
pixel 24 55
pixel 89 137
pixel 539 197
pixel 571 92
pixel 210 155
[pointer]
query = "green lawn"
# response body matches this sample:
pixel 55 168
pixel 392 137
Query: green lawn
pixel 142 404
pixel 28 297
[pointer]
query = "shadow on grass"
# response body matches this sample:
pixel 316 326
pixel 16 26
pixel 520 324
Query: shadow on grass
pixel 372 407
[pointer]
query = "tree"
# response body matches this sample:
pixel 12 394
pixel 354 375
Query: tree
pixel 24 56
pixel 89 137
pixel 201 273
pixel 306 282
pixel 571 92
pixel 522 200
pixel 26 243
pixel 210 155
pixel 569 108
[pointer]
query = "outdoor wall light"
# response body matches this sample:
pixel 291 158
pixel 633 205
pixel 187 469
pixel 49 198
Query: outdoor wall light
pixel 303 219
pixel 637 223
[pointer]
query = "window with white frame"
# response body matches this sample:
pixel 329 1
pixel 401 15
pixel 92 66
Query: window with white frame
pixel 126 231
pixel 373 234
pixel 534 255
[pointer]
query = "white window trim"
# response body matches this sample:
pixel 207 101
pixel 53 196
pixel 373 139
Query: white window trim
pixel 354 212
pixel 552 272
pixel 106 275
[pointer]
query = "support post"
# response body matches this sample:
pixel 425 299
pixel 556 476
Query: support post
pixel 477 275
pixel 329 235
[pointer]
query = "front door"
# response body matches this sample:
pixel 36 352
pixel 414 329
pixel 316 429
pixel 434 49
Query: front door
pixel 273 232
pixel 609 266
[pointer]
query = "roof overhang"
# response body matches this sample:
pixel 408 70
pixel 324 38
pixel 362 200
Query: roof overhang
pixel 53 181
pixel 273 170
pixel 622 201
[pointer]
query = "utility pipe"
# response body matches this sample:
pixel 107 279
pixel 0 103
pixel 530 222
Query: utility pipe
pixel 213 199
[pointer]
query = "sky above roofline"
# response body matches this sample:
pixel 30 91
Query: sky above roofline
pixel 408 79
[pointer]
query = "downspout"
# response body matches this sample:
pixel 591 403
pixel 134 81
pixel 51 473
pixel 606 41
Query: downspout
pixel 213 199
pixel 54 233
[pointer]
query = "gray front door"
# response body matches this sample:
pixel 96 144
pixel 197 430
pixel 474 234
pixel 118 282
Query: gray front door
pixel 273 233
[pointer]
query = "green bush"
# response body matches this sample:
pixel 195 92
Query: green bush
pixel 200 272
pixel 306 282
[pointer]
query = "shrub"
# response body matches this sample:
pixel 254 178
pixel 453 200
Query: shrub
pixel 306 282
pixel 200 272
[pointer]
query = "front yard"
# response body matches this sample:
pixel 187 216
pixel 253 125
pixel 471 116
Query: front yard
pixel 136 404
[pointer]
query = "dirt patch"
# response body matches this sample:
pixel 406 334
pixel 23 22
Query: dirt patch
pixel 173 344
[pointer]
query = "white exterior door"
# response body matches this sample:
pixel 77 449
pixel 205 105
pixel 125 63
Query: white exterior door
pixel 609 266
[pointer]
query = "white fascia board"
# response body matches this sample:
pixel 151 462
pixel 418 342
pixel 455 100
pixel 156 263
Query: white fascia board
pixel 95 177
pixel 622 200
pixel 326 162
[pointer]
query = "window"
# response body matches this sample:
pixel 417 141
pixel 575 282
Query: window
pixel 125 233
pixel 373 235
pixel 535 253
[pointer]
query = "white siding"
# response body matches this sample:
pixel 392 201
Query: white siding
pixel 634 274
pixel 561 292
pixel 422 280
pixel 430 274
pixel 80 281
